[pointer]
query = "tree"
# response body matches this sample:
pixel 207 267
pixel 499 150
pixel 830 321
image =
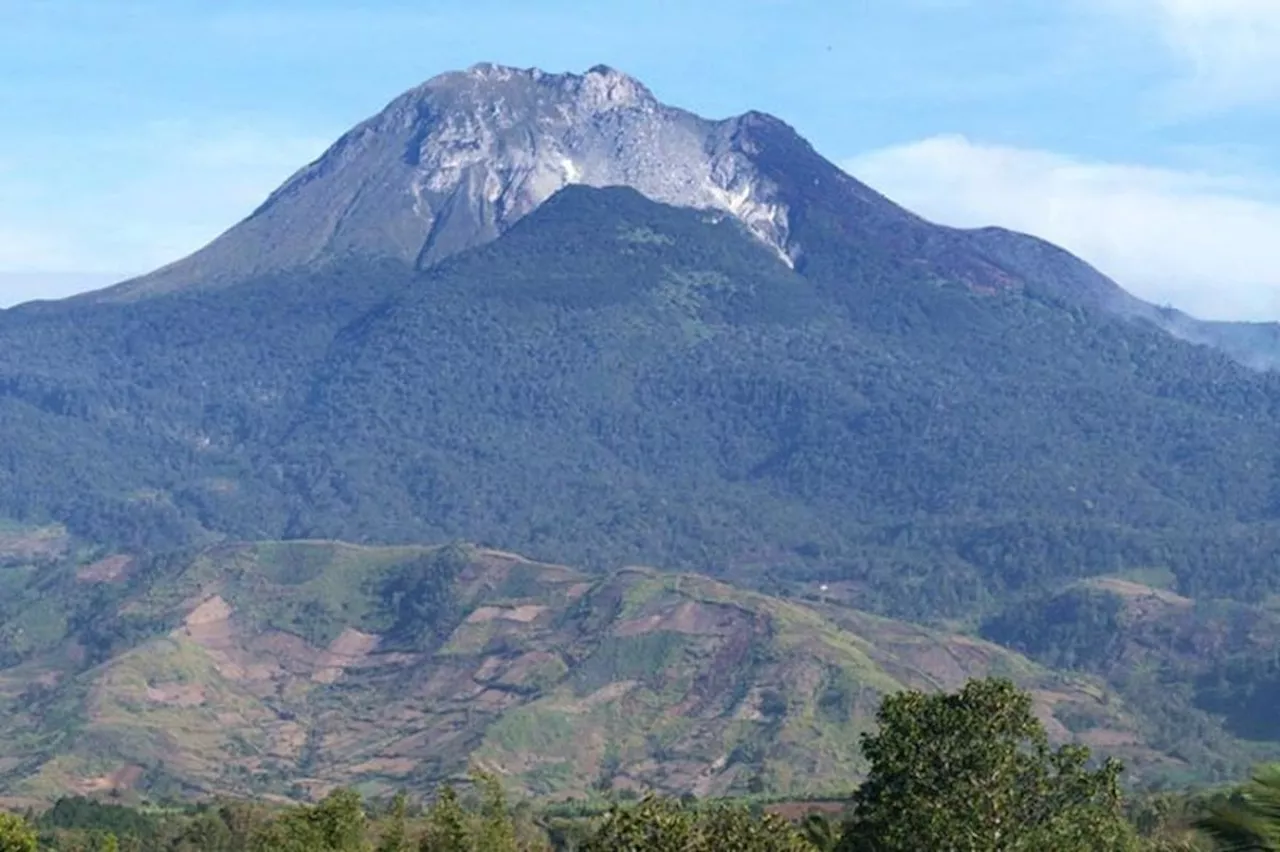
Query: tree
pixel 973 772
pixel 495 831
pixel 336 824
pixel 1248 820
pixel 661 825
pixel 447 829
pixel 654 825
pixel 823 833
pixel 16 835
pixel 395 833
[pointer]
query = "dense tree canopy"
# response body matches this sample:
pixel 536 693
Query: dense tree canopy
pixel 973 772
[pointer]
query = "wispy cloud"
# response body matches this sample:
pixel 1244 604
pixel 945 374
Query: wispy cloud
pixel 1204 242
pixel 1229 49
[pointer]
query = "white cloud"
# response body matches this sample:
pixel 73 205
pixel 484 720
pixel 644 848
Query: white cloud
pixel 1231 48
pixel 1203 242
pixel 94 209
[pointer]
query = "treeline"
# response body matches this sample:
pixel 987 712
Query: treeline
pixel 970 770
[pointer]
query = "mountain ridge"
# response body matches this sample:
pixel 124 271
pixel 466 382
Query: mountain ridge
pixel 454 162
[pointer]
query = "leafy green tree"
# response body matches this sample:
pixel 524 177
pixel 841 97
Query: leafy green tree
pixel 447 829
pixel 653 825
pixel 736 828
pixel 336 824
pixel 495 831
pixel 206 832
pixel 1248 820
pixel 16 834
pixel 822 832
pixel 395 835
pixel 661 825
pixel 973 772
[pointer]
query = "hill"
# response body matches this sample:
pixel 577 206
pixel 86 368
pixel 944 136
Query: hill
pixel 285 668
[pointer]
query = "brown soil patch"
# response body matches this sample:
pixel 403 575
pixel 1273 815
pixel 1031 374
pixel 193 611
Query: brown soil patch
pixel 690 617
pixel 44 543
pixel 493 700
pixel 796 811
pixel 603 695
pixel 107 570
pixel 522 614
pixel 524 665
pixel 210 610
pixel 124 778
pixel 348 650
pixel 51 678
pixel 1144 602
pixel 1044 701
pixel 488 670
pixel 948 664
pixel 177 694
pixel 705 782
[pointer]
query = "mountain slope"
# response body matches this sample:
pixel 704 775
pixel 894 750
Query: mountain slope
pixel 287 668
pixel 615 380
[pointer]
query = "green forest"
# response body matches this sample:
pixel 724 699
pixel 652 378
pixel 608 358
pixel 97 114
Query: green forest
pixel 615 381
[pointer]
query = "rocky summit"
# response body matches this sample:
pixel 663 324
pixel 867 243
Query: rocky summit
pixel 456 161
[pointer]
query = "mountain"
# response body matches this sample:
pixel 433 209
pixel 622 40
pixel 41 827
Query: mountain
pixel 945 426
pixel 455 162
pixel 616 380
pixel 289 667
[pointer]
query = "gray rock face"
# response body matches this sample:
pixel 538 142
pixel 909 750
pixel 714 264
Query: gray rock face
pixel 458 160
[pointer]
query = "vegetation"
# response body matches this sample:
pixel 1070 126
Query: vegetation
pixel 967 771
pixel 1249 819
pixel 927 437
pixel 343 665
pixel 874 416
pixel 973 771
pixel 16 835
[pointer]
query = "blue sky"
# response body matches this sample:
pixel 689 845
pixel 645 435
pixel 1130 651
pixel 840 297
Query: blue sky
pixel 1141 134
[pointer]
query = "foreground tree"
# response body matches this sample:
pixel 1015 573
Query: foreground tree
pixel 395 833
pixel 1249 820
pixel 661 825
pixel 973 772
pixel 16 835
pixel 336 824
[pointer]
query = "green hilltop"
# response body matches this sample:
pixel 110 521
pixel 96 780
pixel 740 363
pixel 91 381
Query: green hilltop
pixel 290 668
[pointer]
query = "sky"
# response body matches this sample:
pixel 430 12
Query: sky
pixel 1139 134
